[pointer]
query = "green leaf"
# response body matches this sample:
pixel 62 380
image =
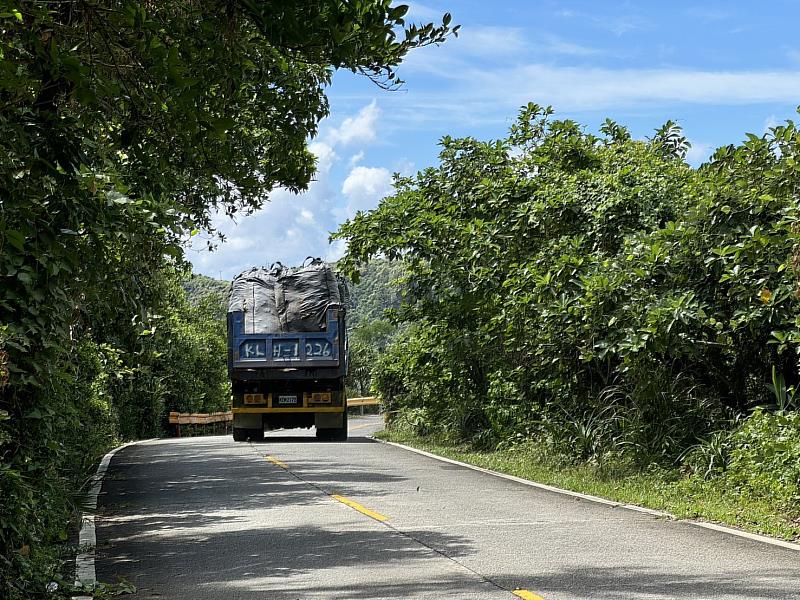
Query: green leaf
pixel 16 14
pixel 16 239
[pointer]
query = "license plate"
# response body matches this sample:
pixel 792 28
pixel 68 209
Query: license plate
pixel 321 397
pixel 287 399
pixel 254 398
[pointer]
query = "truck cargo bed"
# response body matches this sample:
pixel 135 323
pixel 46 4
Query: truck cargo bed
pixel 307 354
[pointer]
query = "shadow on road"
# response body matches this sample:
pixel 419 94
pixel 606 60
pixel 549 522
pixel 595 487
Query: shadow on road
pixel 147 479
pixel 259 559
pixel 287 439
pixel 642 582
pixel 195 519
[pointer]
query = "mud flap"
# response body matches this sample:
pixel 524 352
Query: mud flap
pixel 247 421
pixel 328 420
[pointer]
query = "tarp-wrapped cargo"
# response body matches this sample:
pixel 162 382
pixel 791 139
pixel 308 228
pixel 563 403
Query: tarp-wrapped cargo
pixel 285 300
pixel 253 293
pixel 303 295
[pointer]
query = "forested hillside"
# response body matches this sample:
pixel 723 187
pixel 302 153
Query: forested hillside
pixel 599 298
pixel 376 295
pixel 376 290
pixel 207 292
pixel 198 287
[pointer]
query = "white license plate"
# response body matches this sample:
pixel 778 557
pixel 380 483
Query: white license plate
pixel 287 399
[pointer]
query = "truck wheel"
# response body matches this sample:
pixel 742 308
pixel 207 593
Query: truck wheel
pixel 242 435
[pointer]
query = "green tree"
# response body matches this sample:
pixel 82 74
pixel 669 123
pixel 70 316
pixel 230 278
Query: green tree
pixel 592 290
pixel 123 125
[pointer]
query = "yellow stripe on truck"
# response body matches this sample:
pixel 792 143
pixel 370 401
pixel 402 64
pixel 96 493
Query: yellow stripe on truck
pixel 245 410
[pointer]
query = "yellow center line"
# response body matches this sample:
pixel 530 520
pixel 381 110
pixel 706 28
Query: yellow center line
pixel 359 508
pixel 277 462
pixel 527 595
pixel 360 426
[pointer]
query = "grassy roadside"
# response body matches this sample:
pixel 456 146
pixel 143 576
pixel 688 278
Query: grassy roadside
pixel 656 488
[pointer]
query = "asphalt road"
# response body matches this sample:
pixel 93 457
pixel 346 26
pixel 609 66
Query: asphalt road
pixel 291 518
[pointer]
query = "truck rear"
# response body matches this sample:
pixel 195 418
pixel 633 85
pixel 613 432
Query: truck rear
pixel 287 351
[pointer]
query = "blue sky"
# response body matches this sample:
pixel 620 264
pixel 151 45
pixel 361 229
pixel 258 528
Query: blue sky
pixel 719 69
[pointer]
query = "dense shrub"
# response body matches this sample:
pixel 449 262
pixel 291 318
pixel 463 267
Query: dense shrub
pixel 373 297
pixel 759 458
pixel 764 457
pixel 40 481
pixel 118 384
pixel 594 292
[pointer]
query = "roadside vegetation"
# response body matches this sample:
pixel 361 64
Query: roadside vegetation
pixel 662 487
pixel 591 311
pixel 124 126
pixel 373 299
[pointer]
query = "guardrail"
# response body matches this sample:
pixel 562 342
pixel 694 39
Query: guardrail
pixel 201 421
pixel 362 402
pixel 365 401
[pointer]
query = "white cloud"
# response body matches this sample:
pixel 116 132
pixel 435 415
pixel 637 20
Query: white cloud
pixel 555 45
pixel 488 41
pixel 708 13
pixel 336 250
pixel 364 187
pixel 476 87
pixel 770 122
pixel 355 159
pixel 286 229
pixel 698 153
pixel 484 47
pixel 306 216
pixel 421 12
pixel 325 154
pixel 617 24
pixel 477 96
pixel 495 42
pixel 404 167
pixel 358 129
pixel 291 227
pixel 581 88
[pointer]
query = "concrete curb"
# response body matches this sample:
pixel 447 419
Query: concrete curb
pixel 596 499
pixel 85 576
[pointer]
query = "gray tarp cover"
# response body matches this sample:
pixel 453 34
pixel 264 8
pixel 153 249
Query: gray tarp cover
pixel 285 299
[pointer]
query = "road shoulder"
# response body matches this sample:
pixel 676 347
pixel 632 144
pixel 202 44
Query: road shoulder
pixel 599 500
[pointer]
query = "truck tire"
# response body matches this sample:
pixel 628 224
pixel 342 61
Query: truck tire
pixel 243 435
pixel 338 434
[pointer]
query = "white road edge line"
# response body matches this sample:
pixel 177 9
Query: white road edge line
pixel 85 576
pixel 656 513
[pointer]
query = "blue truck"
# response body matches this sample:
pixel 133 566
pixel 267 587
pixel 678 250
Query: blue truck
pixel 287 353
